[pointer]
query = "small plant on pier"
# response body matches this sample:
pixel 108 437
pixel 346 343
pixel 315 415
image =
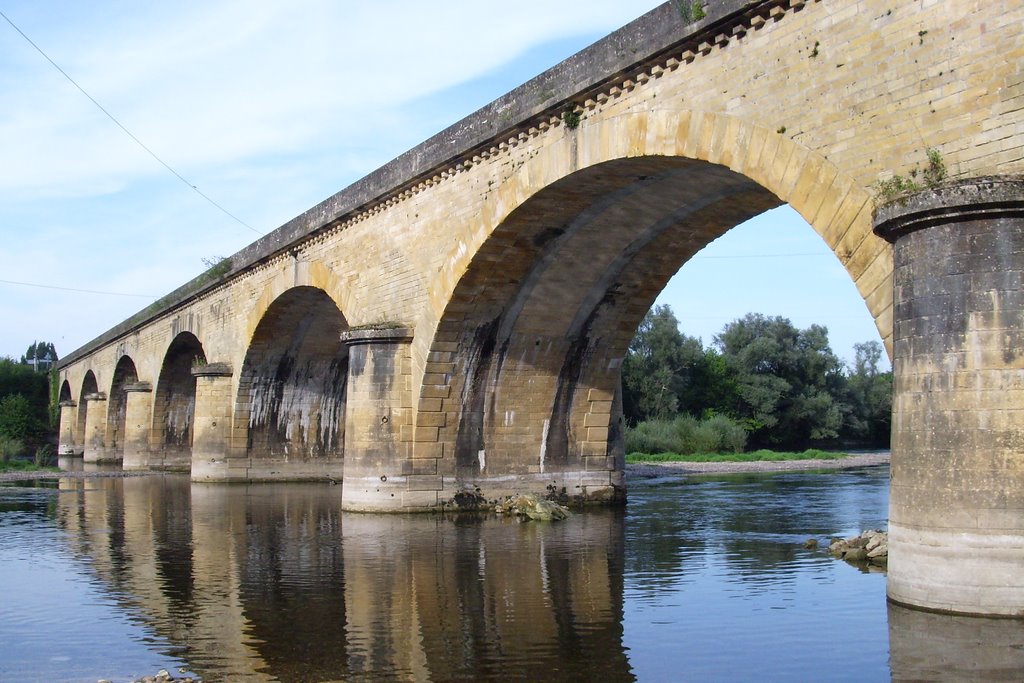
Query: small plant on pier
pixel 931 175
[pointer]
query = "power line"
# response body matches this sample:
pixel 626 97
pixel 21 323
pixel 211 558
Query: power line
pixel 729 256
pixel 128 132
pixel 72 289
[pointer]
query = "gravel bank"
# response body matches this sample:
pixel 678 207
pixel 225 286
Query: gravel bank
pixel 670 469
pixel 22 476
pixel 638 471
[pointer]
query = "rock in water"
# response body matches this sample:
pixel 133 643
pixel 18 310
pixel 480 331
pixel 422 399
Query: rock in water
pixel 546 510
pixel 529 506
pixel 871 546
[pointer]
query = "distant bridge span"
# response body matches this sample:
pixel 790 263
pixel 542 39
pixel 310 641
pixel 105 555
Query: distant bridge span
pixel 456 320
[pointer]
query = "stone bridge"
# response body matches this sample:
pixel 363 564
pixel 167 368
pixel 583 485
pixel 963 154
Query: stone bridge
pixel 456 320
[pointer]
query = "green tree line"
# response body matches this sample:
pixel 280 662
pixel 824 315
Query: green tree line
pixel 782 385
pixel 28 415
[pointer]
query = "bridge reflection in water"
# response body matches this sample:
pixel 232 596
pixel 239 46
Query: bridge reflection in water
pixel 274 582
pixel 268 583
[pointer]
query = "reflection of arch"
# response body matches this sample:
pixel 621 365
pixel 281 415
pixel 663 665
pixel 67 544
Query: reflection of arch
pixel 89 386
pixel 540 339
pixel 175 400
pixel 117 403
pixel 291 392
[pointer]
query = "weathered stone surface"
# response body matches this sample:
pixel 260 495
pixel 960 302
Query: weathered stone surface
pixel 956 527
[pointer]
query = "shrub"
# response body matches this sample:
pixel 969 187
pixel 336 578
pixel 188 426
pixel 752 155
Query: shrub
pixel 687 435
pixel 654 436
pixel 44 455
pixel 732 437
pixel 15 417
pixel 10 448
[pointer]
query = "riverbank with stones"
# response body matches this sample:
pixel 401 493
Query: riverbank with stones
pixel 661 470
pixel 634 471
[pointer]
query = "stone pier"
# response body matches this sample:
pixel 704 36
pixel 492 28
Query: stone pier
pixel 956 527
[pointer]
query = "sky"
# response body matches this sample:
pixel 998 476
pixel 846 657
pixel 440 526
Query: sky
pixel 268 108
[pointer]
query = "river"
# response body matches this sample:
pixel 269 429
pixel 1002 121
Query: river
pixel 702 579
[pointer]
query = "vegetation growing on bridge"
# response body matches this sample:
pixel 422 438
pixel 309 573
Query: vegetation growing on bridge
pixel 930 176
pixel 762 383
pixel 216 268
pixel 691 11
pixel 571 117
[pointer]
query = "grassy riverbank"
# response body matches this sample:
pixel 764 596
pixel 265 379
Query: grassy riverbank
pixel 25 466
pixel 640 471
pixel 762 455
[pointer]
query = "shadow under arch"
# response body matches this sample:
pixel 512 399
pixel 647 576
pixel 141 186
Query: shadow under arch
pixel 117 404
pixel 584 253
pixel 89 386
pixel 174 404
pixel 292 388
pixel 65 391
pixel 68 420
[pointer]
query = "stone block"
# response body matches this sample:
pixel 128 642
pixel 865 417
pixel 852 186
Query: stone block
pixel 431 419
pixel 424 482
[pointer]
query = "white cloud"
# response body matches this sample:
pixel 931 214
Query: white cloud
pixel 269 107
pixel 219 83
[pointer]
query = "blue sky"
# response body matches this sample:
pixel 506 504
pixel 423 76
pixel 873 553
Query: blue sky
pixel 269 108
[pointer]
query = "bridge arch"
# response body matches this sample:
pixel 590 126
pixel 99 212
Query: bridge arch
pixel 297 274
pixel 89 387
pixel 829 199
pixel 292 386
pixel 125 373
pixel 67 443
pixel 65 391
pixel 531 349
pixel 174 403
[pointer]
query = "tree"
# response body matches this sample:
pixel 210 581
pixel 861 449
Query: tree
pixel 660 362
pixel 788 381
pixel 869 420
pixel 16 378
pixel 40 355
pixel 24 401
pixel 16 418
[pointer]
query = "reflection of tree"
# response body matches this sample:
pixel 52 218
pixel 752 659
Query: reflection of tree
pixel 760 532
pixel 663 534
pixel 752 526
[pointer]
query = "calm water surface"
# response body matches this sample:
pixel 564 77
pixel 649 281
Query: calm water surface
pixel 703 580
